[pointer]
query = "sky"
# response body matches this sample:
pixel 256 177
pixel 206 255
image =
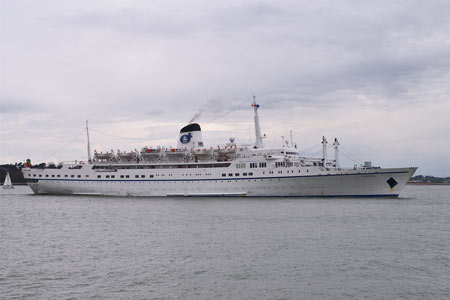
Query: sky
pixel 374 74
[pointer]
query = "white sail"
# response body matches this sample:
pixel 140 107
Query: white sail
pixel 7 184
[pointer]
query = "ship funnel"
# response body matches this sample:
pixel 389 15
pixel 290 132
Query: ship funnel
pixel 190 137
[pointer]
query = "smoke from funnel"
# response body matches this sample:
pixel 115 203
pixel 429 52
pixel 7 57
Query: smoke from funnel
pixel 212 106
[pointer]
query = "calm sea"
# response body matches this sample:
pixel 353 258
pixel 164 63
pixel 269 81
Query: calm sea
pixel 56 247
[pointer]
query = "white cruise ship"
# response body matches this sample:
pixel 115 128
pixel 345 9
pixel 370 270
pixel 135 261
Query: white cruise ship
pixel 192 169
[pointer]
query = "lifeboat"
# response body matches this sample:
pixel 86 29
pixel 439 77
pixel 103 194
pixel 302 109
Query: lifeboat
pixel 202 154
pixel 175 154
pixel 104 156
pixel 150 154
pixel 226 150
pixel 127 156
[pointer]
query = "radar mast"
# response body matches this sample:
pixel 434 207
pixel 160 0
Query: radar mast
pixel 258 141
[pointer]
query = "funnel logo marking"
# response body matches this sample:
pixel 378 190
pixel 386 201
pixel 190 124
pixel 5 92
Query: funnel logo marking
pixel 186 138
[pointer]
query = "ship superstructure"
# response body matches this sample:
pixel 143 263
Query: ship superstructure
pixel 191 169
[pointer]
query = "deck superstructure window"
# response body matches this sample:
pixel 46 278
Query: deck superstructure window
pixel 262 164
pixel 142 176
pixel 99 176
pixel 136 176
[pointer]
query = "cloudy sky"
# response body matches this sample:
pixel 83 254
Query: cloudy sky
pixel 375 74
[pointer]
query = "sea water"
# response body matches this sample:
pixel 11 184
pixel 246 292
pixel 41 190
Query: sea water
pixel 71 247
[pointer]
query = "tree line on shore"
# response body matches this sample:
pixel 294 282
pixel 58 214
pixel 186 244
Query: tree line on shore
pixel 14 172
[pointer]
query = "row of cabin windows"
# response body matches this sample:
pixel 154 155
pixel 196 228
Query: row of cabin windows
pixel 125 176
pixel 279 164
pixel 165 166
pixel 98 176
pixel 237 174
pixel 58 176
pixel 252 165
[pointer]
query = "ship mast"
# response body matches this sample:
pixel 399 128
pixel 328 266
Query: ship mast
pixel 258 141
pixel 88 143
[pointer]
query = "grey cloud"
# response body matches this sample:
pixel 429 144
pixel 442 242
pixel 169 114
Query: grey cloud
pixel 129 21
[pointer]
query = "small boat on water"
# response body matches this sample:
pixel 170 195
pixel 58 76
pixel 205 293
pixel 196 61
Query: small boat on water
pixel 7 184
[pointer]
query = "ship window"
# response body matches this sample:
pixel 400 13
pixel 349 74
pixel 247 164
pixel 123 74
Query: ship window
pixel 99 176
pixel 72 176
pixel 53 175
pixel 87 176
pixel 58 175
pixel 262 165
pixel 121 176
pixel 250 174
pixel 34 175
pixel 136 176
pixel 127 176
pixel 236 174
pixel 230 174
pixel 253 165
pixel 46 175
pixel 151 176
pixel 66 176
pixel 40 175
pixel 79 176
pixel 244 174
pixel 223 174
pixel 142 176
pixel 113 176
pixel 107 176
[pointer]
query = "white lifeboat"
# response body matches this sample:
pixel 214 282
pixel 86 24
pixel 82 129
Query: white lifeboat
pixel 104 156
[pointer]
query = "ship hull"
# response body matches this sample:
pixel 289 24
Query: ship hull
pixel 348 183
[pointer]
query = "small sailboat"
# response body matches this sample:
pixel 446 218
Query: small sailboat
pixel 7 184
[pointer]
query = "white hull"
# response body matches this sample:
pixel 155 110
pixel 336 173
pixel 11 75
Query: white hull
pixel 316 183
